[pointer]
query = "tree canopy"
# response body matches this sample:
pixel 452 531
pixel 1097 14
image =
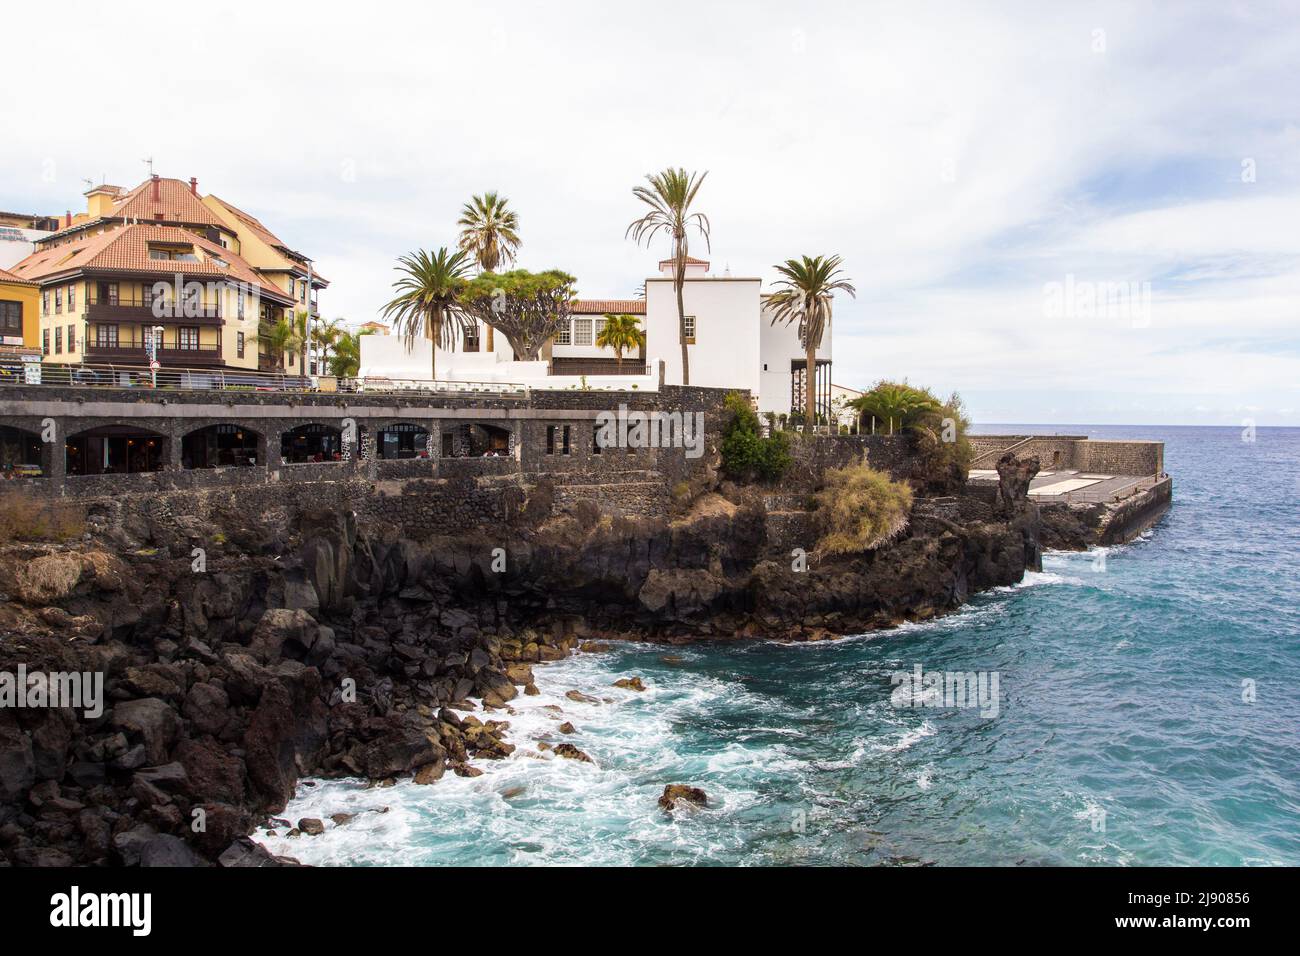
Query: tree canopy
pixel 526 307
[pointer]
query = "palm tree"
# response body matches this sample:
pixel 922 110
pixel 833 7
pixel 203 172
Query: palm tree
pixel 288 336
pixel 669 197
pixel 489 231
pixel 427 304
pixel 346 360
pixel 621 332
pixel 804 294
pixel 325 335
pixel 894 404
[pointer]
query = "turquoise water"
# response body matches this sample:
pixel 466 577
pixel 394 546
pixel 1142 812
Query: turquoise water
pixel 1121 734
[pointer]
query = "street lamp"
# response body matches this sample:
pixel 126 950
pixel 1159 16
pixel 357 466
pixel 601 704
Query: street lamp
pixel 152 350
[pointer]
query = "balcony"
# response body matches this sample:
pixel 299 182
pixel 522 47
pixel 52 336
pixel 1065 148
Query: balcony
pixel 132 351
pixel 137 307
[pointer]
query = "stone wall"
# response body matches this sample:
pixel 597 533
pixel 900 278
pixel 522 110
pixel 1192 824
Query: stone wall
pixel 1121 457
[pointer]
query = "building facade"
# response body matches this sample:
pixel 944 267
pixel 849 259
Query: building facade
pixel 155 273
pixel 730 340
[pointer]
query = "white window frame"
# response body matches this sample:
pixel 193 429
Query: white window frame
pixel 690 329
pixel 582 332
pixel 565 335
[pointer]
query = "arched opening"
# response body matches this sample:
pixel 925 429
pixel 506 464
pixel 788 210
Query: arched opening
pixel 312 442
pixel 20 453
pixel 114 450
pixel 475 440
pixel 402 440
pixel 218 446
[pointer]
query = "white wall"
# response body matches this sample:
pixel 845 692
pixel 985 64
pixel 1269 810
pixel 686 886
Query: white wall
pixel 778 345
pixel 726 349
pixel 16 244
pixel 387 356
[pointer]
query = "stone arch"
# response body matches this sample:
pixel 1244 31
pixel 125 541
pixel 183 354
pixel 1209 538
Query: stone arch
pixel 115 449
pixel 402 439
pixel 311 441
pixel 21 452
pixel 222 444
pixel 471 439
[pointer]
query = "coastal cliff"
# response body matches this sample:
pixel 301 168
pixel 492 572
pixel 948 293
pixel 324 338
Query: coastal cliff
pixel 311 646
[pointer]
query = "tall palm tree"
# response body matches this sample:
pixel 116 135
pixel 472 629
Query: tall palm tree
pixel 489 231
pixel 621 332
pixel 427 304
pixel 669 197
pixel 804 294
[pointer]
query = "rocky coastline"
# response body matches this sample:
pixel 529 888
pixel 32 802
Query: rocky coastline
pixel 313 647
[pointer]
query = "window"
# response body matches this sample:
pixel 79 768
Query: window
pixel 564 336
pixel 106 336
pixel 173 253
pixel 112 293
pixel 239 307
pixel 11 318
pixel 58 340
pixel 597 327
pixel 72 298
pixel 45 302
pixel 45 341
pixel 72 338
pixel 471 338
pixel 550 439
pixel 239 344
pixel 146 296
pixel 582 331
pixel 58 300
pixel 690 330
pixel 566 440
pixel 187 337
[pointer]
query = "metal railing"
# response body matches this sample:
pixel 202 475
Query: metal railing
pixel 12 373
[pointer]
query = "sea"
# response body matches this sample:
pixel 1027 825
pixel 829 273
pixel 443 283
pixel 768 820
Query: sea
pixel 1132 705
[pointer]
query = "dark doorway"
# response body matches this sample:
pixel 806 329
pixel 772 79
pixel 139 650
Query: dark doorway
pixel 219 446
pixel 403 440
pixel 20 453
pixel 314 442
pixel 114 450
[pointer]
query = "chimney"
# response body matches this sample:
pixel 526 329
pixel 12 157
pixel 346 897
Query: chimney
pixel 155 187
pixel 194 185
pixel 67 221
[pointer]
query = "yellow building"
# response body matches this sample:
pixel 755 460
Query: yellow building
pixel 278 264
pixel 20 323
pixel 158 257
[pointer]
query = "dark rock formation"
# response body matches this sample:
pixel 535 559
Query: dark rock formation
pixel 677 793
pixel 338 650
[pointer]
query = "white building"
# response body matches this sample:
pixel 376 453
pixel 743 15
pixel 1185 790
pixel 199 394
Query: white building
pixel 18 235
pixel 731 343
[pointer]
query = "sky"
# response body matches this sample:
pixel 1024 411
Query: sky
pixel 1068 213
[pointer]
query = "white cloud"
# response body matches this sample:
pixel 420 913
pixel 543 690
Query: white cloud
pixel 957 158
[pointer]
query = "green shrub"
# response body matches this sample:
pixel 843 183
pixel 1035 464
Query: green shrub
pixel 746 454
pixel 859 509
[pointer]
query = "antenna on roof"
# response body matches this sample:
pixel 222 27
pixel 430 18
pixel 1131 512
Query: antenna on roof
pixel 149 162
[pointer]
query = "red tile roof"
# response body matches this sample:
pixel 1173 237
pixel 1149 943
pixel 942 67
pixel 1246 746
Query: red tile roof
pixel 690 261
pixel 175 203
pixel 126 249
pixel 10 277
pixel 612 306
